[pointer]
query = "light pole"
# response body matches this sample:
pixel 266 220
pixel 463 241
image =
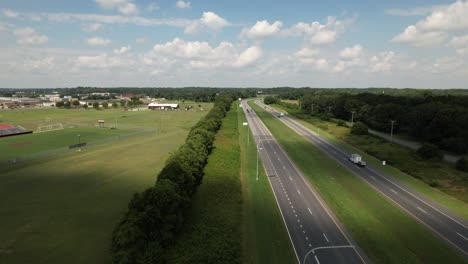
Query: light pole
pixel 352 118
pixel 258 150
pixel 391 130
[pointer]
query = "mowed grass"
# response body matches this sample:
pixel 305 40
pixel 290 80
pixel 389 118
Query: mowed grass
pixel 212 233
pixel 384 232
pixel 62 209
pixel 264 235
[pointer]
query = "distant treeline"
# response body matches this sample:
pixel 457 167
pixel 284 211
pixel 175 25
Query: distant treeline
pixel 156 215
pixel 198 94
pixel 439 119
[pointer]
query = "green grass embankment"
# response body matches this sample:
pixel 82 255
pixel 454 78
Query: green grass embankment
pixel 385 233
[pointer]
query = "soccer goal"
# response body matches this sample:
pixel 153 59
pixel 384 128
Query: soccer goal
pixel 48 128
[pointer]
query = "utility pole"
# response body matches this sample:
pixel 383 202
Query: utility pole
pixel 391 130
pixel 329 109
pixel 352 118
pixel 312 109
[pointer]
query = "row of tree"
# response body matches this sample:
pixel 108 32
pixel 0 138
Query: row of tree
pixel 156 215
pixel 440 120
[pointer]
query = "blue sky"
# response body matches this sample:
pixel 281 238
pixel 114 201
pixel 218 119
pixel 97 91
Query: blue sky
pixel 52 43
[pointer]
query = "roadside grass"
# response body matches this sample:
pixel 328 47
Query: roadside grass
pixel 450 185
pixel 213 233
pixel 265 239
pixel 384 232
pixel 62 209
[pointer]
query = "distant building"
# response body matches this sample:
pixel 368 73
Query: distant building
pixel 158 106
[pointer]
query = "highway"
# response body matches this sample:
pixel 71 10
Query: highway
pixel 450 227
pixel 315 232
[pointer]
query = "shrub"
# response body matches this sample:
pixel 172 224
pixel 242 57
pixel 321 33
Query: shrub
pixel 429 151
pixel 359 128
pixel 462 164
pixel 456 145
pixel 271 100
pixel 340 123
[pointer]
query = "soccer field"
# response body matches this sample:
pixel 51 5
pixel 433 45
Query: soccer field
pixel 62 208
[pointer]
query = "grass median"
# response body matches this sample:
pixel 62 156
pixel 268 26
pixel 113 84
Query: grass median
pixel 384 232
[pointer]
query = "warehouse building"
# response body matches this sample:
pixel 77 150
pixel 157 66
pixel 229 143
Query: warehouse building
pixel 154 106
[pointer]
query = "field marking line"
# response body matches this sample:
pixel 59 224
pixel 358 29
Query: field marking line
pixel 462 236
pixel 316 259
pixel 422 210
pixel 326 238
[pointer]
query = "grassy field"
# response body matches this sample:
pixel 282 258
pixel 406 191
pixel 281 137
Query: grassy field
pixel 213 233
pixel 62 209
pixel 265 239
pixel 385 233
pixel 451 188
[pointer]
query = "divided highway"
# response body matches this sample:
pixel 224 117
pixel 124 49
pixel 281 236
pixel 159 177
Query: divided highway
pixel 315 233
pixel 444 223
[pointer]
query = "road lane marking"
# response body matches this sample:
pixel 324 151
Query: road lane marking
pixel 373 178
pixel 326 238
pixel 462 236
pixel 393 191
pixel 290 178
pixel 421 209
pixel 307 238
pixel 309 210
pixel 298 192
pixel 316 259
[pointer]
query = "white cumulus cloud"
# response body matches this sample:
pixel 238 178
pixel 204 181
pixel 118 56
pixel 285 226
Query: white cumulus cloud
pixel 98 41
pixel 183 4
pixel 122 50
pixel 352 52
pixel 29 36
pixel 262 29
pixel 208 21
pixel 248 57
pixel 125 7
pixel 9 13
pixel 93 27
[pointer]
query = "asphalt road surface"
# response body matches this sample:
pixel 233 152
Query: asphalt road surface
pixel 315 233
pixel 447 225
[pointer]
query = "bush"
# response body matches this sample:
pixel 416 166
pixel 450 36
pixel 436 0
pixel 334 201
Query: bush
pixel 340 123
pixel 359 128
pixel 429 151
pixel 456 145
pixel 271 100
pixel 462 164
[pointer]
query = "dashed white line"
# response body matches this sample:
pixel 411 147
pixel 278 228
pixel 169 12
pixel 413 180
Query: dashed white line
pixel 307 238
pixel 373 178
pixel 326 238
pixel 298 192
pixel 393 191
pixel 421 210
pixel 309 210
pixel 290 178
pixel 462 236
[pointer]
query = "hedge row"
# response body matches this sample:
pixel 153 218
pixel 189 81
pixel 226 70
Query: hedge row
pixel 156 215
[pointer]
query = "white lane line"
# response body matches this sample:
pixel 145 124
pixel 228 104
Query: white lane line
pixel 284 167
pixel 326 238
pixel 373 178
pixel 421 209
pixel 393 191
pixel 309 210
pixel 307 238
pixel 294 211
pixel 298 192
pixel 462 236
pixel 316 259
pixel 296 215
pixel 290 178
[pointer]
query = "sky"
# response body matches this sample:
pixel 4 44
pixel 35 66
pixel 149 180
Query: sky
pixel 150 43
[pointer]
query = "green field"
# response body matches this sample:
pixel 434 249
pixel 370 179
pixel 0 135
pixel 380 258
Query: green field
pixel 385 233
pixel 62 208
pixel 451 191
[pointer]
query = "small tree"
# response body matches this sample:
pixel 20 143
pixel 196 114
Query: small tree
pixel 359 128
pixel 67 104
pixel 115 105
pixel 123 103
pixel 462 164
pixel 96 105
pixel 76 103
pixel 59 104
pixel 105 104
pixel 271 100
pixel 85 106
pixel 429 151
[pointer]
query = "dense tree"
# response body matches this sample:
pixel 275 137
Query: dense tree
pixel 429 151
pixel 271 100
pixel 96 105
pixel 85 106
pixel 462 164
pixel 76 103
pixel 59 104
pixel 105 104
pixel 359 128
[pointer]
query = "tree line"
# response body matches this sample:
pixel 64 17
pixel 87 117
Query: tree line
pixel 156 215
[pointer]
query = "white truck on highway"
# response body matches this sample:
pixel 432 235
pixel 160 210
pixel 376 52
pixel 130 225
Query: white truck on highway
pixel 357 159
